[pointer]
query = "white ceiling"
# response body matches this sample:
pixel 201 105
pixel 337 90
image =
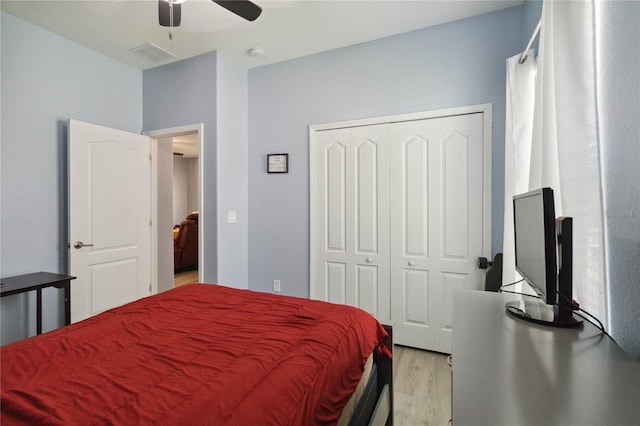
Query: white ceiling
pixel 187 145
pixel 285 30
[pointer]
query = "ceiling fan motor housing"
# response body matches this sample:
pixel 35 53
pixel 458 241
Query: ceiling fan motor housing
pixel 164 13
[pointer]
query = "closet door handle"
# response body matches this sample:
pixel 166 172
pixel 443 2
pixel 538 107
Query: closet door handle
pixel 80 244
pixel 484 263
pixel 412 263
pixel 369 260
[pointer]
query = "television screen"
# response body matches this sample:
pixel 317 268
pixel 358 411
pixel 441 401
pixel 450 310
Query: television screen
pixel 537 233
pixel 535 241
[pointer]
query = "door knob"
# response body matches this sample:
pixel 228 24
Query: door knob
pixel 369 260
pixel 484 263
pixel 411 263
pixel 80 244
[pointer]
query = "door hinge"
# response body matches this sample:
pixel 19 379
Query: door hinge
pixel 150 222
pixel 149 288
pixel 149 157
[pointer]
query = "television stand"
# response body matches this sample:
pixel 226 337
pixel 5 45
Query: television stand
pixel 534 310
pixel 512 372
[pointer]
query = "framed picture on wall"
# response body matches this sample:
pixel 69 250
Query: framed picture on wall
pixel 277 163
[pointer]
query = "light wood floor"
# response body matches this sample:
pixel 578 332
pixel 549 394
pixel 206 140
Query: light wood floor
pixel 422 387
pixel 186 277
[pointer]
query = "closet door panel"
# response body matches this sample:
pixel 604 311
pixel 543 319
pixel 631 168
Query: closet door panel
pixel 415 165
pixel 444 325
pixel 366 202
pixel 416 296
pixel 367 289
pixel 401 208
pixel 455 193
pixel 436 223
pixel 460 195
pixel 370 220
pixel 335 208
pixel 412 210
pixel 331 233
pixel 352 218
pixel 336 282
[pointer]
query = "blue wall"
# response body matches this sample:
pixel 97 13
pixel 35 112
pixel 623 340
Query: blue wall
pixel 620 147
pixel 456 64
pixel 531 12
pixel 184 93
pixel 46 80
pixel 212 90
pixel 233 178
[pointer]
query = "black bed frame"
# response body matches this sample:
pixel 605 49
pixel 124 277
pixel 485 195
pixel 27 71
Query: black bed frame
pixel 375 407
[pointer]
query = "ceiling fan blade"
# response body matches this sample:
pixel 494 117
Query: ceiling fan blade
pixel 164 13
pixel 243 8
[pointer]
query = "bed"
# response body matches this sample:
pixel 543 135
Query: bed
pixel 202 354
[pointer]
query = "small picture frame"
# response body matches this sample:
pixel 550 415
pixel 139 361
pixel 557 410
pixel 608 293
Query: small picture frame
pixel 277 163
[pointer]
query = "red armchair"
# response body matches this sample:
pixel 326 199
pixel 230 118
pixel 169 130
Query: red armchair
pixel 185 246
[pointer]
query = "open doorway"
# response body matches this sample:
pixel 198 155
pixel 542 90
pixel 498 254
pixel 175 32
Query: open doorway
pixel 186 143
pixel 186 208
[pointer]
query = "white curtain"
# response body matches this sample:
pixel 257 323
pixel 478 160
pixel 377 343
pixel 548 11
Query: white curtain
pixel 520 89
pixel 564 152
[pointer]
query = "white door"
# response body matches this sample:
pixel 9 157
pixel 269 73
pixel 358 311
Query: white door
pixel 109 218
pixel 436 224
pixel 352 207
pixel 400 213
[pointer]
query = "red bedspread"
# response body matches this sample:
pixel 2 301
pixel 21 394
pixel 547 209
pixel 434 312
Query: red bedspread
pixel 198 354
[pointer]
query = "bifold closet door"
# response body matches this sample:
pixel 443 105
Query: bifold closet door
pixel 352 218
pixel 398 214
pixel 436 223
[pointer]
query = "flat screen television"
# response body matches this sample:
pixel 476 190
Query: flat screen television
pixel 543 257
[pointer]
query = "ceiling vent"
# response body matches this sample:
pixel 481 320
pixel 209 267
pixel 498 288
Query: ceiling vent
pixel 153 53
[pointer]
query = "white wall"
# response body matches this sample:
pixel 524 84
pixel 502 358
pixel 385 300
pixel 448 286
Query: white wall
pixel 185 187
pixel 165 220
pixel 180 190
pixel 193 180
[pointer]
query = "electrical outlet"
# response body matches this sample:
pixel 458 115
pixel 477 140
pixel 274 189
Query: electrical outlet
pixel 276 286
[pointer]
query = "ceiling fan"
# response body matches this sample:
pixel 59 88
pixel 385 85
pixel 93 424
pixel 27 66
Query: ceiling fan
pixel 169 11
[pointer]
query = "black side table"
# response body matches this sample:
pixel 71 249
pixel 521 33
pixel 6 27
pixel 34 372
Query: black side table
pixel 37 281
